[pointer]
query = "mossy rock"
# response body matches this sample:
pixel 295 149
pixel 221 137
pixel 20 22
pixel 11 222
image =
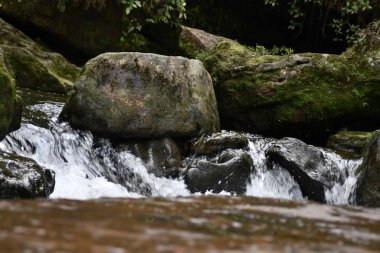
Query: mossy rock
pixel 350 144
pixel 308 96
pixel 21 177
pixel 139 95
pixel 7 97
pixel 35 67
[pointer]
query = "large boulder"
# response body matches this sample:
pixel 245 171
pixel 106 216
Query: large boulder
pixel 10 104
pixel 35 67
pixel 307 165
pixel 86 29
pixel 22 177
pixel 228 171
pixel 137 95
pixel 368 186
pixel 308 96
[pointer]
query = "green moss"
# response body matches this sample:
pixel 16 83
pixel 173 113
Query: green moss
pixel 7 97
pixel 305 94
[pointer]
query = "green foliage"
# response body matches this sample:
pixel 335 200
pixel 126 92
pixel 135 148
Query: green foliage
pixel 139 12
pixel 346 18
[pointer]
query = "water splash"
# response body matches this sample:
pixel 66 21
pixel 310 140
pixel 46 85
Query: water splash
pixel 88 167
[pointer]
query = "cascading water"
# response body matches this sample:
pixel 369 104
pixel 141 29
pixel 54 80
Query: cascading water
pixel 88 167
pixel 278 183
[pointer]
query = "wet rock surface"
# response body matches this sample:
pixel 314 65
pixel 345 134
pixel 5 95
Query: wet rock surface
pixel 23 178
pixel 306 164
pixel 220 163
pixel 162 157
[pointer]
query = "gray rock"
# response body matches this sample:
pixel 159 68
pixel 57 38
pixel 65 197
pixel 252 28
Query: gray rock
pixel 307 164
pixel 228 171
pixel 137 95
pixel 22 177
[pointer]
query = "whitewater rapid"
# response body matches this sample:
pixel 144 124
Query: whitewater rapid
pixel 88 167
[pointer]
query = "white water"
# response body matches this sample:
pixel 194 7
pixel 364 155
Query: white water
pixel 88 167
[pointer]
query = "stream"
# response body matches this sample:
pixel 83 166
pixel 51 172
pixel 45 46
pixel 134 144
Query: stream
pixel 117 217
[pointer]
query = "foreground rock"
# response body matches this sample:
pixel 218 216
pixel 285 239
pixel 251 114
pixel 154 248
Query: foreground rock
pixel 307 164
pixel 349 143
pixel 368 186
pixel 22 177
pixel 10 104
pixel 227 166
pixel 307 96
pixel 33 66
pixel 143 96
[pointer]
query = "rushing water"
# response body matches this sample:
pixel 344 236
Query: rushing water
pixel 88 167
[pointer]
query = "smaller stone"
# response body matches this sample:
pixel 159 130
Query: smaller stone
pixel 211 145
pixel 228 171
pixel 23 178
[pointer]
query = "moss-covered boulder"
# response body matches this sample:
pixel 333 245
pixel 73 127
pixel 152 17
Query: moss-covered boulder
pixel 138 95
pixel 22 177
pixel 35 67
pixel 368 185
pixel 308 96
pixel 349 143
pixel 89 28
pixel 10 109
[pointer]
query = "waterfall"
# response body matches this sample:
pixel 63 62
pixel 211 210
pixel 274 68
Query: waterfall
pixel 89 167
